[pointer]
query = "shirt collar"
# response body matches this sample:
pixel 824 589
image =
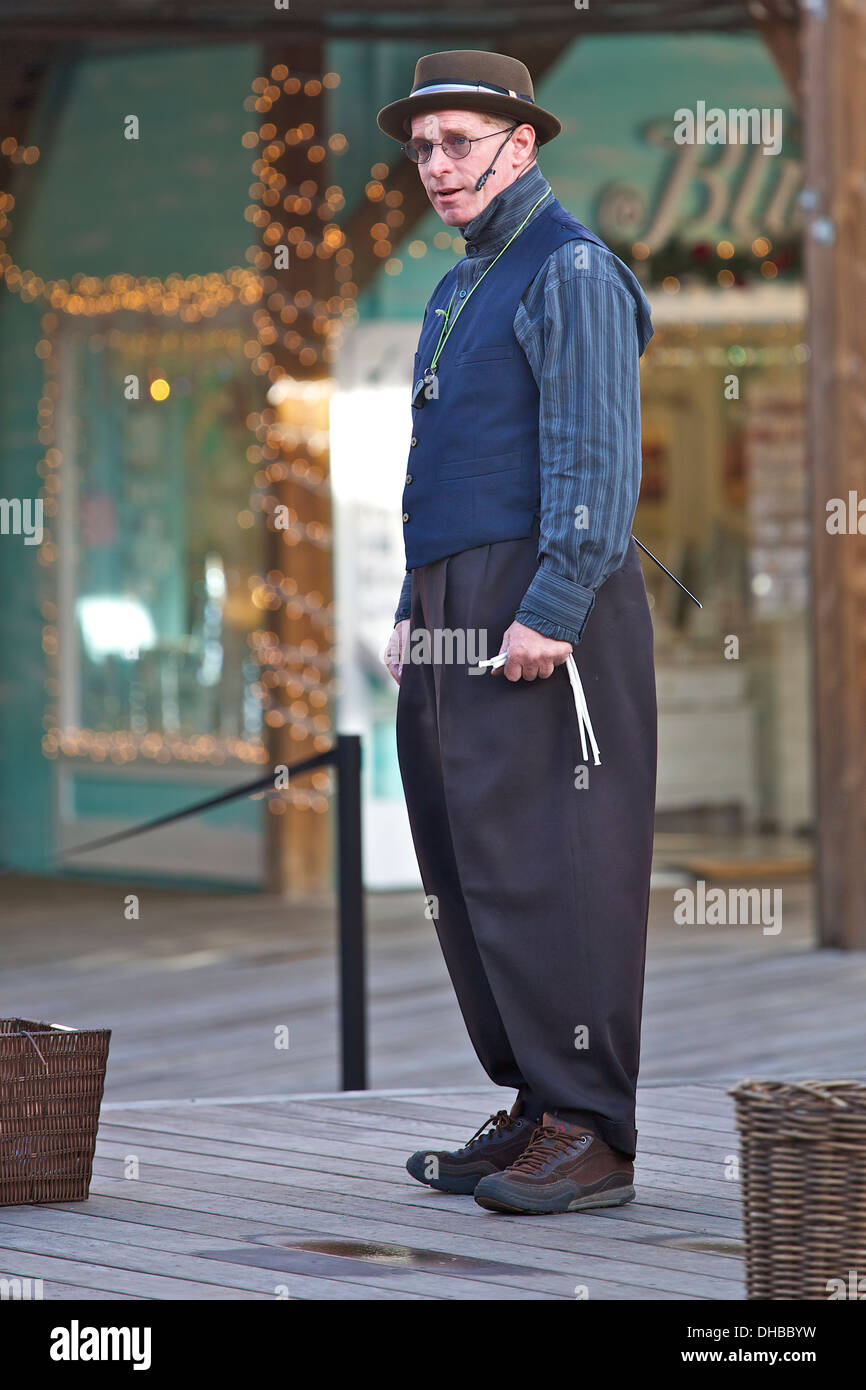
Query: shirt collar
pixel 487 233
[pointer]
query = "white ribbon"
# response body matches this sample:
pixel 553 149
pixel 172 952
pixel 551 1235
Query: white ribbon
pixel 584 723
pixel 428 87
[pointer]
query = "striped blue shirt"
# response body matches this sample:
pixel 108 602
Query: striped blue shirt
pixel 583 324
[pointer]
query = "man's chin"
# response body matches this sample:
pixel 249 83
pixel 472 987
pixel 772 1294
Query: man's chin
pixel 454 212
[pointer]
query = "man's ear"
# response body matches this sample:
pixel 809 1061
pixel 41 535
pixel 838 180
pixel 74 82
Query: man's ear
pixel 523 133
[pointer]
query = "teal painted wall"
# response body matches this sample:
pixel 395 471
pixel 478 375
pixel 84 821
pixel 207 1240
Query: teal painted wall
pixel 173 200
pixel 96 203
pixel 25 777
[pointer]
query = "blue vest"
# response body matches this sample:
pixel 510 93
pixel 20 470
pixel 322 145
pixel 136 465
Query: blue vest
pixel 473 470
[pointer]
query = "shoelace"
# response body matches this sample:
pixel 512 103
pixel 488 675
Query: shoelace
pixel 584 724
pixel 547 1143
pixel 500 1121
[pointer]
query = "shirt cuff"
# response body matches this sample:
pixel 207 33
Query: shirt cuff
pixel 556 607
pixel 404 607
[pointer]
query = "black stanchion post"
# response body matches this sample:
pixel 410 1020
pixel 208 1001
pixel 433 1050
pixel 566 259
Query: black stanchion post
pixel 353 993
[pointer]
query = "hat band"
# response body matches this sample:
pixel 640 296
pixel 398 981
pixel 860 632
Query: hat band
pixel 430 87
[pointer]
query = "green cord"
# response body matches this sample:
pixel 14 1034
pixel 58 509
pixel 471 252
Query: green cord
pixel 440 344
pixel 446 326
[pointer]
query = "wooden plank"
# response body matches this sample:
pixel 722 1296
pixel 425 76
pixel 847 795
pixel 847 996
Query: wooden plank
pixel 205 1028
pixel 305 1148
pixel 346 1166
pixel 350 1183
pixel 240 1198
pixel 84 1276
pixel 639 1221
pixel 110 1231
pixel 664 1144
pixel 200 1271
pixel 674 1271
pixel 314 1190
pixel 216 1226
pixel 292 1198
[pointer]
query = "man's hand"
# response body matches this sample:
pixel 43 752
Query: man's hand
pixel 396 647
pixel 530 654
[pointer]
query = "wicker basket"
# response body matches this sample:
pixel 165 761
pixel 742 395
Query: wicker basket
pixel 51 1081
pixel 803 1149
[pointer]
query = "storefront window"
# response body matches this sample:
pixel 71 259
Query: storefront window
pixel 724 503
pixel 155 584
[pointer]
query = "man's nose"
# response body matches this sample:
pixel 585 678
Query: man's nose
pixel 439 163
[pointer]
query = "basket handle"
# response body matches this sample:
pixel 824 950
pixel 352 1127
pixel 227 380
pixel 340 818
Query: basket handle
pixel 31 1039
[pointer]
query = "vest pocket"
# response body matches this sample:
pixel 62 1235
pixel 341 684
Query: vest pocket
pixel 492 352
pixel 478 467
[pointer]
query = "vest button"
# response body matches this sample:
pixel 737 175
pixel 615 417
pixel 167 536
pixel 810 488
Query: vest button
pixel 408 477
pixel 405 516
pixel 413 442
pixel 462 294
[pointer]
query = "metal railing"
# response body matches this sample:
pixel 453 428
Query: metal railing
pixel 345 756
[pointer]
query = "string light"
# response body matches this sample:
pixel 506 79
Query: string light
pixel 699 262
pixel 675 346
pixel 312 685
pixel 309 328
pixel 286 447
pixel 121 746
pixel 291 435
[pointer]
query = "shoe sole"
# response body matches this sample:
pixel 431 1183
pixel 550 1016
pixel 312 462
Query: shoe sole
pixel 617 1197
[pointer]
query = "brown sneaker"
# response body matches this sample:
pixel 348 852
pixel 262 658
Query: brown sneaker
pixel 488 1151
pixel 565 1168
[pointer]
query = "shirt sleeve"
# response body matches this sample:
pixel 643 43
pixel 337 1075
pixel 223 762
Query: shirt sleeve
pixel 404 607
pixel 577 326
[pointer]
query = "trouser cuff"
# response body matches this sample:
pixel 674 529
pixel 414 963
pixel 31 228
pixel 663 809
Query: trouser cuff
pixel 621 1137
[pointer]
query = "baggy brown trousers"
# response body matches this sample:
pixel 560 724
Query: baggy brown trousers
pixel 539 884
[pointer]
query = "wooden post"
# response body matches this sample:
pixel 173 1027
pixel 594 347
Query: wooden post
pixel 299 850
pixel 780 31
pixel 834 55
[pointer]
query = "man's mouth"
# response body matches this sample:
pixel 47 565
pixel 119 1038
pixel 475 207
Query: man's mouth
pixel 446 192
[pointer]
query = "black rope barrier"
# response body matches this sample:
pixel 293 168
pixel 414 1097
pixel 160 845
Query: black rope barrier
pixel 319 760
pixel 345 755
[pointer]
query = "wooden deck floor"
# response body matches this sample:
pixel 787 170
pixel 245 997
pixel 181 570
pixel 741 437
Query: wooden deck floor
pixel 194 990
pixel 255 1177
pixel 309 1199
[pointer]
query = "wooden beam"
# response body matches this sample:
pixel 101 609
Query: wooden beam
pixel 835 257
pixel 777 23
pixel 451 23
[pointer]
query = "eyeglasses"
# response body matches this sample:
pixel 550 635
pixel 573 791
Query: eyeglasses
pixel 454 146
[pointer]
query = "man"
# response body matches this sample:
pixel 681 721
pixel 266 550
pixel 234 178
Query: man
pixel 521 486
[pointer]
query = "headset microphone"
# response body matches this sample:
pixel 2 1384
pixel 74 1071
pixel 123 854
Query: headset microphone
pixel 492 169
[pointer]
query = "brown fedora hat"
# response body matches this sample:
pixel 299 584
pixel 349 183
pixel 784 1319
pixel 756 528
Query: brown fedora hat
pixel 469 79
